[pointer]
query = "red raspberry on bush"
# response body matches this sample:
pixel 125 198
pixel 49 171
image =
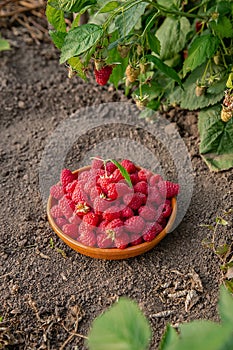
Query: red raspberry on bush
pixel 102 75
pixel 135 224
pixel 57 192
pixel 56 211
pixel 66 177
pixel 70 230
pixel 128 165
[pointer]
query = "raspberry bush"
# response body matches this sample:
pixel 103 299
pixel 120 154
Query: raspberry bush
pixel 163 53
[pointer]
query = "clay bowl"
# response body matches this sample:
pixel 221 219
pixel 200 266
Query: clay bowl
pixel 110 253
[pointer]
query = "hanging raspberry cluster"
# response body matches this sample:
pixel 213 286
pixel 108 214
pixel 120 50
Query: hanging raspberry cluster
pixel 227 107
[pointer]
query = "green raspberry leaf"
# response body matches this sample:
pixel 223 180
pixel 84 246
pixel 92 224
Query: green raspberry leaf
pixel 225 306
pixel 4 44
pixel 123 326
pixel 168 71
pixel 79 40
pixel 78 66
pixel 169 338
pixel 202 48
pixel 172 36
pixel 71 5
pixel 56 18
pixel 216 145
pixel 222 27
pixel 154 43
pixel 123 171
pixel 58 38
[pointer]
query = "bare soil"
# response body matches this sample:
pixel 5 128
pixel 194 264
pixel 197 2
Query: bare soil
pixel 47 293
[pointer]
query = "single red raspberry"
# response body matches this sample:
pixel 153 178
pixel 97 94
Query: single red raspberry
pixel 61 222
pixel 102 227
pixel 166 210
pixel 135 239
pixel 144 175
pixel 134 201
pixel 117 176
pixel 88 239
pixel 154 179
pixel 103 241
pixel 103 182
pixel 66 206
pixel 75 219
pixel 70 230
pixel 114 228
pixel 154 196
pixel 84 175
pixel 129 166
pixel 100 205
pixel 162 221
pixel 79 195
pixel 151 231
pixel 91 219
pixel 89 185
pixel 123 189
pixel 126 212
pixel 141 187
pixel 97 163
pixel 57 192
pixel 148 212
pixel 135 224
pixel 112 192
pixel 96 192
pixel 134 178
pixel 110 167
pixel 112 213
pixel 102 75
pixel 82 208
pixel 71 186
pixel 198 26
pixel 122 240
pixel 56 212
pixel 168 188
pixel 66 177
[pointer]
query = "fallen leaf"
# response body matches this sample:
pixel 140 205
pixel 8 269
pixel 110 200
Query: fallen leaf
pixel 191 299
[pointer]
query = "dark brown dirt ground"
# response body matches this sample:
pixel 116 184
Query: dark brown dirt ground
pixel 41 290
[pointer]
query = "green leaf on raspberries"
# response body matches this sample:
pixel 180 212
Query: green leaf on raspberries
pixel 57 38
pixel 123 326
pixel 71 5
pixel 79 40
pixel 153 90
pixel 172 36
pixel 56 18
pixel 154 43
pixel 127 20
pixel 202 48
pixel 169 338
pixel 78 66
pixel 170 72
pixel 222 27
pixel 123 172
pixel 216 145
